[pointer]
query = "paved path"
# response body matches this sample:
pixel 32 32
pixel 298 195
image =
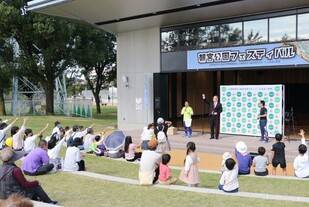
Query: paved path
pixel 199 190
pixel 225 143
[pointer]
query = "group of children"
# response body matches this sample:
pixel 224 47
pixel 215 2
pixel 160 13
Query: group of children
pixel 239 163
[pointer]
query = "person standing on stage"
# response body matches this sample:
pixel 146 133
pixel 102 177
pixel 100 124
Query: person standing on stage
pixel 215 108
pixel 187 112
pixel 263 121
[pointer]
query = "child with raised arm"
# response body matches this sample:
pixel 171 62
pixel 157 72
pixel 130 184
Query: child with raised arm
pixel 29 139
pixel 190 173
pixel 3 133
pixel 278 155
pixel 301 162
pixel 16 133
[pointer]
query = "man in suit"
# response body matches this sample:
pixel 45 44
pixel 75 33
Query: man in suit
pixel 215 108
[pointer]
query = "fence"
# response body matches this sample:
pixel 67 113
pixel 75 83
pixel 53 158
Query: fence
pixel 70 107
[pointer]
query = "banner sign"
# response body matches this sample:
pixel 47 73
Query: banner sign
pixel 280 54
pixel 241 108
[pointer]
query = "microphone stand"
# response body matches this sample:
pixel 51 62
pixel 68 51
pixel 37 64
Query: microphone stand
pixel 202 117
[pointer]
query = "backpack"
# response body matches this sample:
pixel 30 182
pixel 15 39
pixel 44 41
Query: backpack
pixel 161 136
pixel 70 140
pixel 52 141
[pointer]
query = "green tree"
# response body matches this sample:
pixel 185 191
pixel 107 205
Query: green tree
pixel 95 53
pixel 45 44
pixel 6 69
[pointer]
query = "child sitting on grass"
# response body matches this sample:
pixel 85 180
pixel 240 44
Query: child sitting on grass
pixel 229 181
pixel 260 162
pixel 29 139
pixel 243 158
pixel 278 155
pixel 165 176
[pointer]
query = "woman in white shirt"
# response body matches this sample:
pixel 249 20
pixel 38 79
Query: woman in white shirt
pixel 73 157
pixel 29 139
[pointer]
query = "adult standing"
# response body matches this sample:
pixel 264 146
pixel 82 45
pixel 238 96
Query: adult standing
pixel 215 109
pixel 163 126
pixel 37 161
pixel 263 121
pixel 13 180
pixel 187 112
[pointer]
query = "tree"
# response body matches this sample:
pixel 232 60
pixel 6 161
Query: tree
pixel 95 52
pixel 45 44
pixel 6 69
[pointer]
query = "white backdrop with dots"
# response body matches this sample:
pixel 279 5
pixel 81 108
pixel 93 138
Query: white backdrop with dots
pixel 241 107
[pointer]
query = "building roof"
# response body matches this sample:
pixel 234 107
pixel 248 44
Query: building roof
pixel 116 16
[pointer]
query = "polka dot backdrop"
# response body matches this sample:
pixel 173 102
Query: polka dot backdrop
pixel 241 108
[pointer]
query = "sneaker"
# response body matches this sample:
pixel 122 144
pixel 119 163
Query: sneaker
pixel 185 135
pixel 261 140
pixel 53 202
pixel 265 141
pixel 189 136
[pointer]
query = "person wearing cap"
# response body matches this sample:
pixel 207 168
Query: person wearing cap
pixel 149 164
pixel 37 161
pixel 3 131
pixel 73 160
pixel 163 126
pixel 243 158
pixel 13 180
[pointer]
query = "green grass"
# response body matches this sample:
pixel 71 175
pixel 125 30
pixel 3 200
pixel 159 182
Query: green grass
pixel 74 190
pixel 107 120
pixel 117 168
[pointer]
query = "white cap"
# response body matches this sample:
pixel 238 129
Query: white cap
pixel 241 147
pixel 160 120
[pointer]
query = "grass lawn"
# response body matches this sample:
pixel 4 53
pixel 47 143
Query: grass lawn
pixel 108 166
pixel 74 191
pixel 107 120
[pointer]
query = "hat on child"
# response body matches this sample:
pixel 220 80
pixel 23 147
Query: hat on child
pixel 226 155
pixel 160 120
pixel 241 147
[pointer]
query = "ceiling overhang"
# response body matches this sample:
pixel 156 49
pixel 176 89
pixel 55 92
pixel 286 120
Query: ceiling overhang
pixel 118 16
